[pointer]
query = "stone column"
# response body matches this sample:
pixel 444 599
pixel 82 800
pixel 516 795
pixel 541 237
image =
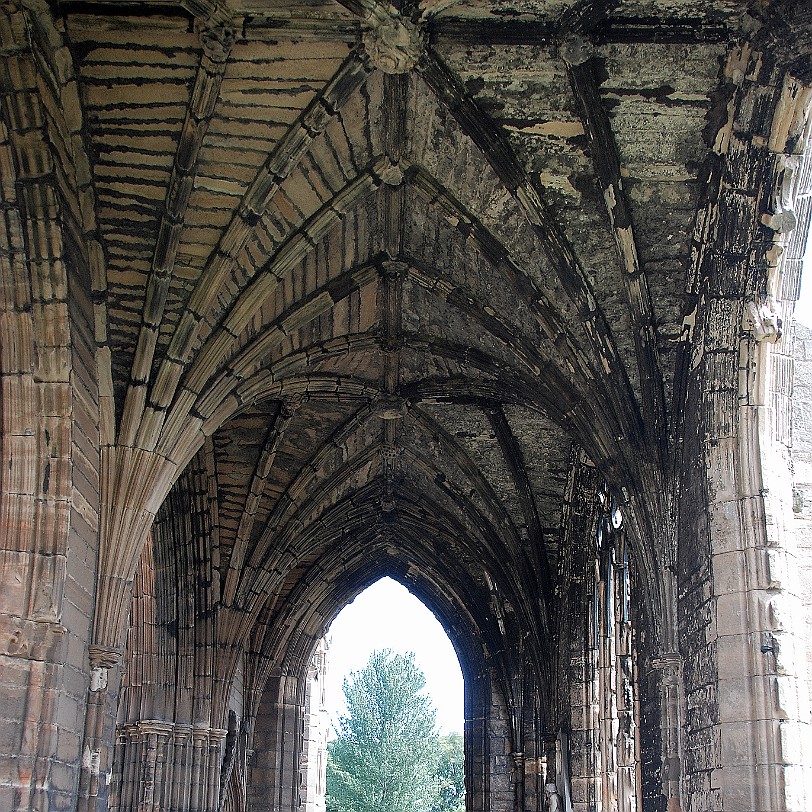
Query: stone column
pixel 167 766
pixel 518 777
pixel 313 765
pixel 94 752
pixel 584 724
pixel 626 741
pixel 669 668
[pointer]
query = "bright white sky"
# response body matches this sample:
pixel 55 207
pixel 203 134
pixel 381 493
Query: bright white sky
pixel 803 307
pixel 387 615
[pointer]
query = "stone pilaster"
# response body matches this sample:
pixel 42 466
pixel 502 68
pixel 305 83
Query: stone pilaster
pixel 48 498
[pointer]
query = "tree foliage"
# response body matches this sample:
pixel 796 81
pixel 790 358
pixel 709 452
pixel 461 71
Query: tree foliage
pixel 450 774
pixel 387 756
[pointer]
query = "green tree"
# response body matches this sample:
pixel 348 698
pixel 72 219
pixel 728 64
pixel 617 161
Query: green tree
pixel 385 756
pixel 450 774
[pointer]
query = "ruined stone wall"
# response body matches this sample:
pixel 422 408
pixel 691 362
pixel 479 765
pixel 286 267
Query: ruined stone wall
pixel 802 470
pixel 49 495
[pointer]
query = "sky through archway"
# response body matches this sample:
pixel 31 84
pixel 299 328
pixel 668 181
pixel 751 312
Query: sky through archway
pixel 803 307
pixel 387 615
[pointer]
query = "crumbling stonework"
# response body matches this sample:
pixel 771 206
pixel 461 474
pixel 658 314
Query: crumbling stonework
pixel 491 297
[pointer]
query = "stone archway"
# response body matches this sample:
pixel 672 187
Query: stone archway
pixel 279 284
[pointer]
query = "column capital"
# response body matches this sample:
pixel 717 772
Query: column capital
pixel 144 727
pixel 669 665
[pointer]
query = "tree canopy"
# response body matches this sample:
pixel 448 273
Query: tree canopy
pixel 388 756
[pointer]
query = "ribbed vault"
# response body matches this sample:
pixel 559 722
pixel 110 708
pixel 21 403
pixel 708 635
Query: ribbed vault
pixel 300 294
pixel 384 307
pixel 391 241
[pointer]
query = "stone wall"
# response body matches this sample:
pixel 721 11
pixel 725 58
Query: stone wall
pixel 802 470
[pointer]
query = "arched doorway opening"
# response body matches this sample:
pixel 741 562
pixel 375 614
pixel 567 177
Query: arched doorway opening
pixel 280 761
pixel 385 622
pixel 386 615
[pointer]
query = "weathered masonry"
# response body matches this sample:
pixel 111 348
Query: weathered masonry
pixel 491 296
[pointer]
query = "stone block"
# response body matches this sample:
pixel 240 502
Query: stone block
pixel 750 742
pixel 730 572
pixel 703 754
pixel 734 655
pixel 737 702
pixel 11 729
pixel 726 532
pixel 68 748
pixel 721 460
pixel 731 614
pixel 62 777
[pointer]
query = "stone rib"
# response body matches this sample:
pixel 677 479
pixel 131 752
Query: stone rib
pixel 255 493
pixel 201 107
pixel 214 352
pixel 277 167
pixel 511 451
pixel 546 315
pixel 498 152
pixel 284 522
pixel 606 161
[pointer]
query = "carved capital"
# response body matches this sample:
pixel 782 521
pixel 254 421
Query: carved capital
pixel 217 735
pixel 669 666
pixel 217 40
pixel 763 320
pixel 153 727
pixel 393 44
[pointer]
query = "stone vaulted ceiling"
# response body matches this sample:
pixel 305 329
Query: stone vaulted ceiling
pixel 399 266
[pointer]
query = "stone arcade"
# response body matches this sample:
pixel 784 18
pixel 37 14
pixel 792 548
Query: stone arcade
pixel 490 296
